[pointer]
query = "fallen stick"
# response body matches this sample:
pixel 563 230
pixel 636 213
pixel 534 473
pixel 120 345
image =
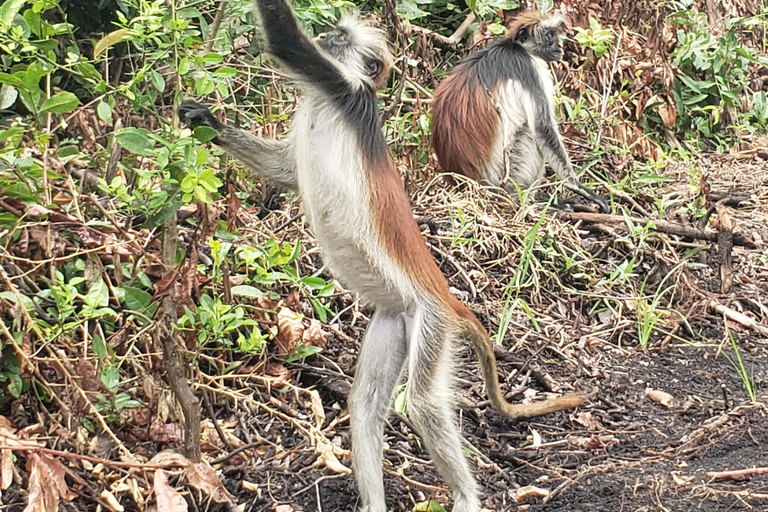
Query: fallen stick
pixel 662 226
pixel 739 474
pixel 737 317
pixel 724 248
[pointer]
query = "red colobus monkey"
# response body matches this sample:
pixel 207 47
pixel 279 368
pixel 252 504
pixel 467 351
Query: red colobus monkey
pixel 337 158
pixel 493 118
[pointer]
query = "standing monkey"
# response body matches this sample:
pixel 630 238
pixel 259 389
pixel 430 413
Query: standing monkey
pixel 336 157
pixel 493 118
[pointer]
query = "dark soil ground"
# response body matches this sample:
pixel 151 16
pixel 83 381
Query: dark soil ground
pixel 620 452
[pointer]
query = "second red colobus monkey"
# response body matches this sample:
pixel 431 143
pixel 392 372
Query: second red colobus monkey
pixel 337 158
pixel 493 118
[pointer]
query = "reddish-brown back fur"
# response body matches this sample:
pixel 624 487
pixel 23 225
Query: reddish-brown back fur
pixel 398 230
pixel 464 124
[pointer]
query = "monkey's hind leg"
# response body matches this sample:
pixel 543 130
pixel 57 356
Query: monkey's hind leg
pixel 379 365
pixel 430 404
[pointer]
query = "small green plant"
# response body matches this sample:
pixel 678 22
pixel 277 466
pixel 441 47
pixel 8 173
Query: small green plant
pixel 649 313
pixel 219 324
pixel 758 110
pixel 746 378
pixel 595 38
pixel 712 71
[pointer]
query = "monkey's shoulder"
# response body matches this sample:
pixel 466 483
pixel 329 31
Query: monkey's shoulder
pixel 502 61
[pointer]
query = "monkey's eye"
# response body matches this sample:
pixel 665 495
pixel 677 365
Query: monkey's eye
pixel 340 37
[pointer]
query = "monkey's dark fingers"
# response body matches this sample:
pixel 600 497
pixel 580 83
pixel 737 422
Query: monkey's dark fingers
pixel 193 114
pixel 591 196
pixel 601 202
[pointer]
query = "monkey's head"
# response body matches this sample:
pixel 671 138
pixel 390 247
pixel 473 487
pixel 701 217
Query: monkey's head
pixel 539 34
pixel 360 47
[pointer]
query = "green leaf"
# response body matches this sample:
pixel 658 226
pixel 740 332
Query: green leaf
pixel 98 295
pixel 29 305
pixel 316 283
pixel 11 80
pixel 184 66
pixel 99 347
pixel 188 183
pixel 8 12
pixel 212 58
pixel 205 133
pixel 8 95
pixel 208 179
pixel 136 299
pixel 301 352
pixel 110 39
pixel 188 12
pixel 226 72
pixel 60 103
pixel 15 384
pixel 244 290
pixel 202 195
pixel 164 214
pixel 157 80
pixel 136 140
pixel 428 506
pixel 104 111
pixel 110 377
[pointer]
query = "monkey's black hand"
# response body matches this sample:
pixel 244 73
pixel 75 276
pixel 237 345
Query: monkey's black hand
pixel 584 192
pixel 194 114
pixel 602 203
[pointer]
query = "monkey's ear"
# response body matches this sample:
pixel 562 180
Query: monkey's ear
pixel 522 34
pixel 374 67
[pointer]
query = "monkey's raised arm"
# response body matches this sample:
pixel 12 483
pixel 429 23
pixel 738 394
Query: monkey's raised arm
pixel 293 48
pixel 272 159
pixel 551 145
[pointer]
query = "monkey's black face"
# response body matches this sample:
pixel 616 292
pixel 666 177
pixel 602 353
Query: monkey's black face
pixel 336 42
pixel 355 49
pixel 547 45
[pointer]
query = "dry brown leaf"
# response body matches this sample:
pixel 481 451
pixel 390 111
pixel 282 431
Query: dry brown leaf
pixel 202 477
pixel 170 458
pixel 289 331
pixel 668 112
pixel 46 484
pixel 680 479
pixel 89 381
pixel 293 301
pixel 315 335
pixel 661 397
pixel 233 208
pixel 284 508
pixel 6 469
pixel 277 372
pixel 36 210
pixel 111 501
pixel 535 439
pixel 325 450
pixel 317 408
pixel 62 198
pixel 166 433
pixel 168 498
pixel 588 421
pixel 249 486
pixel 90 237
pixel 529 491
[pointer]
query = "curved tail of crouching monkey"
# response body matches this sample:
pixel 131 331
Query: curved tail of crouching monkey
pixel 472 329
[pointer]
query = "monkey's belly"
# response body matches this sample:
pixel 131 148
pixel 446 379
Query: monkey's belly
pixel 356 264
